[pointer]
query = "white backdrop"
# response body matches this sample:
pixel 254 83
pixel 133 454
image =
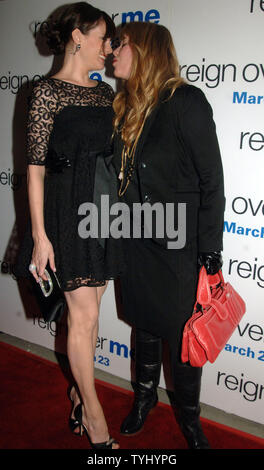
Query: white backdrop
pixel 219 46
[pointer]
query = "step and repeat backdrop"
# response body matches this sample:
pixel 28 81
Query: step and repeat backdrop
pixel 220 50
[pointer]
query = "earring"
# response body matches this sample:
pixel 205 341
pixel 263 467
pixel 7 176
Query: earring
pixel 77 48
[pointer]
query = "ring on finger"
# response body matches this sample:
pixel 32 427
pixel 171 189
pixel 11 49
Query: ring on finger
pixel 32 267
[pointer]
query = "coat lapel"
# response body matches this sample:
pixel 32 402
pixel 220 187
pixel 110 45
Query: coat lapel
pixel 145 131
pixel 118 146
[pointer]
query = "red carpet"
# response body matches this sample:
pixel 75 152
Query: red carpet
pixel 35 409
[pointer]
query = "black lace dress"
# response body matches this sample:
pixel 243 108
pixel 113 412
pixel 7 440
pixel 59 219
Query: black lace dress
pixel 68 127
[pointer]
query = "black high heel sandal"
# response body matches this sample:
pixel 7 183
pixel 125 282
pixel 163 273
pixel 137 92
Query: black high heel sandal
pixel 99 445
pixel 74 424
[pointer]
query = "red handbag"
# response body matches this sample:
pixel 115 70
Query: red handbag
pixel 207 331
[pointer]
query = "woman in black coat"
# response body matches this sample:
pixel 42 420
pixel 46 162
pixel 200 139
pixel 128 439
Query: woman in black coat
pixel 166 155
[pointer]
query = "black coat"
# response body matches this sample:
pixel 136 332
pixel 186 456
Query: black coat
pixel 177 160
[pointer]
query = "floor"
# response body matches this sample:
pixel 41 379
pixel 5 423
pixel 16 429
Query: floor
pixel 208 412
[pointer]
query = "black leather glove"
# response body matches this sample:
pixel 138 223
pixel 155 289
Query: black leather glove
pixel 212 261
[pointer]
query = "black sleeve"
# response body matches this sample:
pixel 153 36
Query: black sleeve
pixel 199 136
pixel 40 122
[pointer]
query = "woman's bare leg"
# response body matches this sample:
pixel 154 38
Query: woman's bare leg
pixel 100 292
pixel 73 393
pixel 82 336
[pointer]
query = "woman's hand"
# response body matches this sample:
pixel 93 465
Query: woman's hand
pixel 212 261
pixel 43 251
pixel 42 255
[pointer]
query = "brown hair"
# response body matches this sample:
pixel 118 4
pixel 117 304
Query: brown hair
pixel 155 68
pixel 59 26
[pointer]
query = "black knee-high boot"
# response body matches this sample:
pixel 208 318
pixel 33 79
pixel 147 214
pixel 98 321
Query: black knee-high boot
pixel 148 365
pixel 187 385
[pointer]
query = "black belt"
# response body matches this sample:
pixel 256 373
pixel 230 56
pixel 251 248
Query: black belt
pixel 58 162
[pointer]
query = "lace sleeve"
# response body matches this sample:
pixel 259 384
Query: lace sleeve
pixel 111 93
pixel 42 109
pixel 107 93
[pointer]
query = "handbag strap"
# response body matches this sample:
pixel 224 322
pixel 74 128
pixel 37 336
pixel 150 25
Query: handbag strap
pixel 203 295
pixel 205 283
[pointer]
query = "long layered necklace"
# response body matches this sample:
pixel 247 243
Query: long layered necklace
pixel 128 164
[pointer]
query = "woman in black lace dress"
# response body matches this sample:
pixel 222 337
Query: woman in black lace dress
pixel 70 124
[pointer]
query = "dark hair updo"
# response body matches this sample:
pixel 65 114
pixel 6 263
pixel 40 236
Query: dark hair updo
pixel 59 26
